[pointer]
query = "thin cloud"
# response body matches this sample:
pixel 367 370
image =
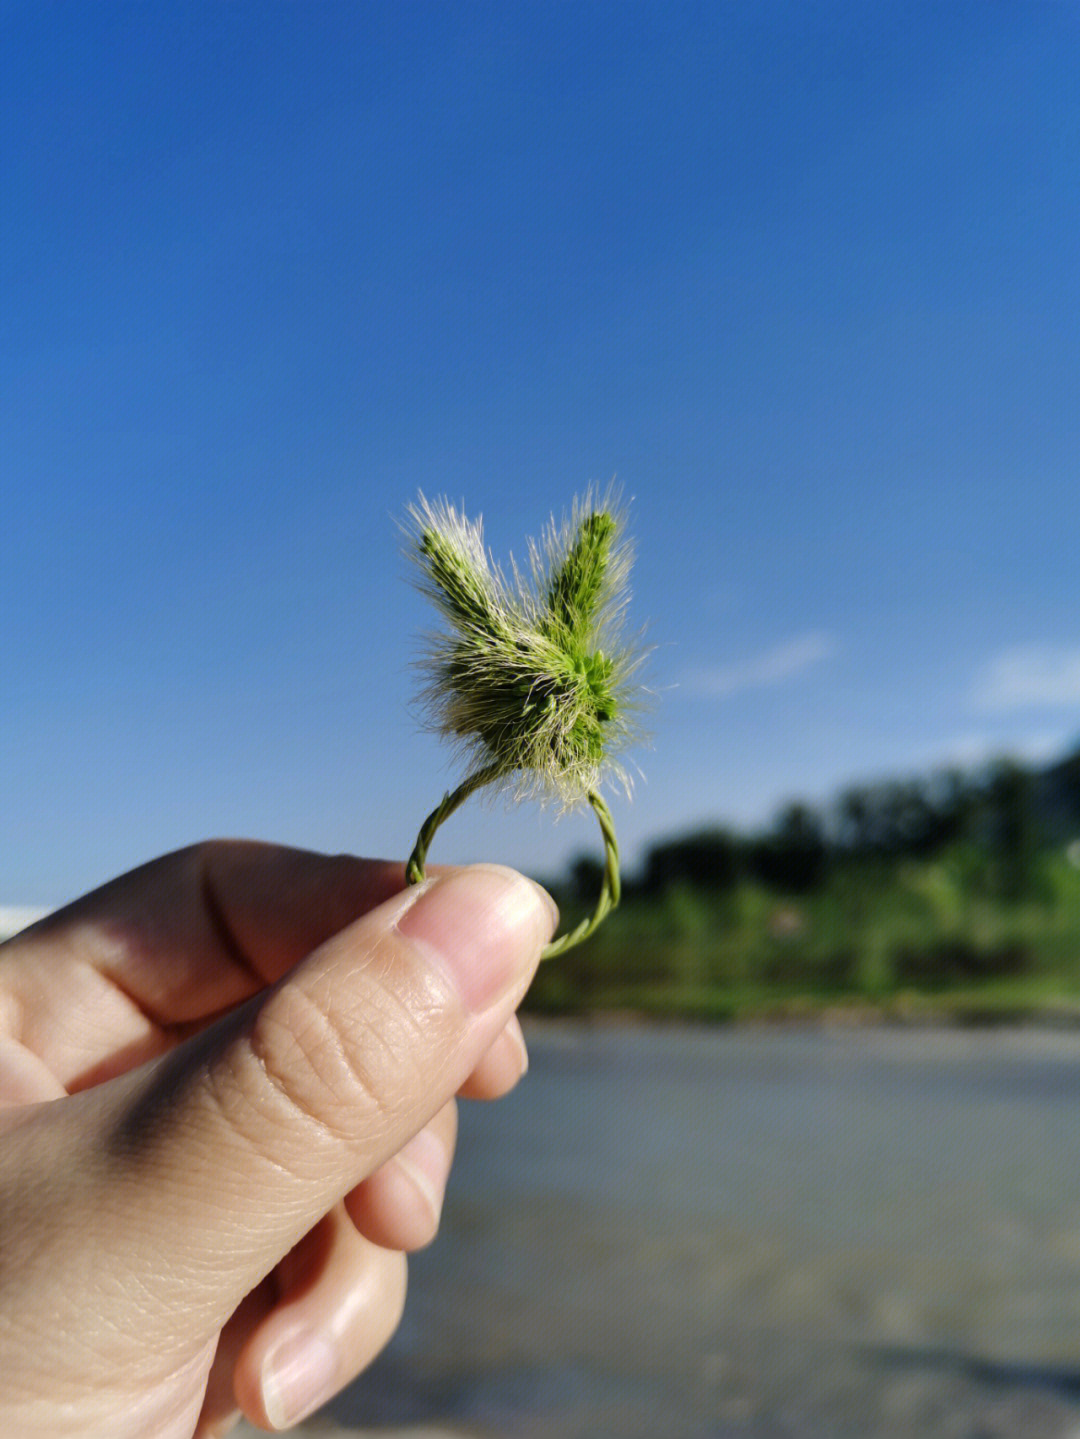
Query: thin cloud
pixel 973 750
pixel 1031 677
pixel 771 667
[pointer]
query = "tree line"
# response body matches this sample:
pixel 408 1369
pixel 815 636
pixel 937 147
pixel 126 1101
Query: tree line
pixel 1003 815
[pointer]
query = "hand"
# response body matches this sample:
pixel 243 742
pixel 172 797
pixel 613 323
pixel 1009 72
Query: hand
pixel 228 1081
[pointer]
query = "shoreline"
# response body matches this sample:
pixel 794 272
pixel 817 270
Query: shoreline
pixel 965 1010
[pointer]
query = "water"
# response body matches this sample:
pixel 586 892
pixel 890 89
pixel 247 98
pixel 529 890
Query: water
pixel 767 1233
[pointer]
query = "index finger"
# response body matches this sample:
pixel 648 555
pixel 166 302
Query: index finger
pixel 141 961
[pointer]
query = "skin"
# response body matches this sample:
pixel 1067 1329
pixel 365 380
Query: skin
pixel 228 1084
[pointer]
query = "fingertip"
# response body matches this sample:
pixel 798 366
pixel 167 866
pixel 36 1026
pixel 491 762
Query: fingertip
pixel 484 927
pixel 500 1069
pixel 347 1301
pixel 400 1205
pixel 516 1037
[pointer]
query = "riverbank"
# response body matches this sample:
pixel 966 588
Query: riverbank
pixel 941 936
pixel 1040 1004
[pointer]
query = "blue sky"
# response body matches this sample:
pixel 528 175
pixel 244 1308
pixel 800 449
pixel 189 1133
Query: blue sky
pixel 804 278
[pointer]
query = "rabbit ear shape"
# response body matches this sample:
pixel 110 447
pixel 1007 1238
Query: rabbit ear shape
pixel 457 573
pixel 530 680
pixel 576 585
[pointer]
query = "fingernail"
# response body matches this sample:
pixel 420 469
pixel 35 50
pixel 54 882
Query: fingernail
pixel 484 926
pixel 424 1160
pixel 297 1376
pixel 513 1029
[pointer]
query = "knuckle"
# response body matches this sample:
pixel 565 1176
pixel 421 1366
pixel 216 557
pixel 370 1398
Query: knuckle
pixel 321 1075
pixel 335 1076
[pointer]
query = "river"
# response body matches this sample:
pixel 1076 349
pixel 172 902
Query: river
pixel 765 1233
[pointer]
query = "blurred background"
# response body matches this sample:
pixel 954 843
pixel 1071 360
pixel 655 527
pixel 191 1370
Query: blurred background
pixel 802 278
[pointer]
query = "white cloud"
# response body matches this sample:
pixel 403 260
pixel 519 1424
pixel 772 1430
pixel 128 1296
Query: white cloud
pixel 1032 676
pixel 771 667
pixel 14 917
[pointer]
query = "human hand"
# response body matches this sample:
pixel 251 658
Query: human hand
pixel 228 1083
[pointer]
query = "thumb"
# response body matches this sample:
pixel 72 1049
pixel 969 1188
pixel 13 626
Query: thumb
pixel 218 1158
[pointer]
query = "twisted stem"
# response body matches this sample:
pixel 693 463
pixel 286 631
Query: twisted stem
pixel 414 869
pixel 610 888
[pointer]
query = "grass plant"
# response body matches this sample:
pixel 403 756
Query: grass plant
pixel 531 677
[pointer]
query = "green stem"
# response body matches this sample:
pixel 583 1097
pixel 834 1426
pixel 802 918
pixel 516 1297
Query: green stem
pixel 610 889
pixel 414 869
